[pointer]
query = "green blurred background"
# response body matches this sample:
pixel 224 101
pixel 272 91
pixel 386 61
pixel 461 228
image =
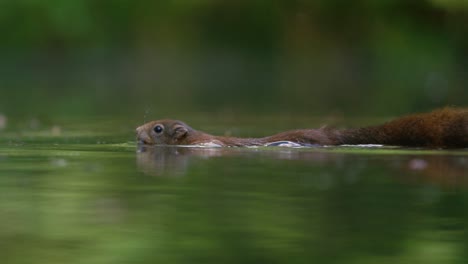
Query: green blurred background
pixel 76 78
pixel 122 57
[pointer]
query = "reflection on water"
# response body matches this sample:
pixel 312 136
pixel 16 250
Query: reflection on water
pixel 443 170
pixel 300 205
pixel 94 204
pixel 174 160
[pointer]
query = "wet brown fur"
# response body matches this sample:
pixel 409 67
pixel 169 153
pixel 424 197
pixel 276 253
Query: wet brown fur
pixel 443 128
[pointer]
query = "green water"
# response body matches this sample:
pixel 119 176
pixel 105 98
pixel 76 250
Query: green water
pixel 81 192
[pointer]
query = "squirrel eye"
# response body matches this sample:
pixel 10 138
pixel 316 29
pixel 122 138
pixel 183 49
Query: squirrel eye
pixel 158 129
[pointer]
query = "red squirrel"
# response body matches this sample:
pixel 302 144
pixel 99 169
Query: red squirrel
pixel 442 128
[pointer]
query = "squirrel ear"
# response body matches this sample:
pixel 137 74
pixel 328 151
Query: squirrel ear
pixel 179 131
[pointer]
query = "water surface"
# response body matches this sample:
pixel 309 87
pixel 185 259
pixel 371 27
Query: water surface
pixel 82 192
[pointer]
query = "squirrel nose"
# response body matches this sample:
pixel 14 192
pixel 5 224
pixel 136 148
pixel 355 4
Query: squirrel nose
pixel 142 136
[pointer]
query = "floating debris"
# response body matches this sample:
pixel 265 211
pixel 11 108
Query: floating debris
pixel 59 163
pixel 418 164
pixel 56 130
pixel 34 123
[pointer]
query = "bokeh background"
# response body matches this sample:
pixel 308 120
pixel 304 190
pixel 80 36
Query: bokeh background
pixel 175 57
pixel 77 77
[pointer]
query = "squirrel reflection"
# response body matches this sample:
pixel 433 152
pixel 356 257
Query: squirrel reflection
pixel 169 160
pixel 174 161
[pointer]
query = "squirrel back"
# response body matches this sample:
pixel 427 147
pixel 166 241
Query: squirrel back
pixel 442 128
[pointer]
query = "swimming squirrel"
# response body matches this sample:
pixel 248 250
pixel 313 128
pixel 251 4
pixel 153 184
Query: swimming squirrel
pixel 442 128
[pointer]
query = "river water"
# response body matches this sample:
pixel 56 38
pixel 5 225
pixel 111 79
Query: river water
pixel 81 191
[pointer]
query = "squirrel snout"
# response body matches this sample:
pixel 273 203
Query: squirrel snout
pixel 142 136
